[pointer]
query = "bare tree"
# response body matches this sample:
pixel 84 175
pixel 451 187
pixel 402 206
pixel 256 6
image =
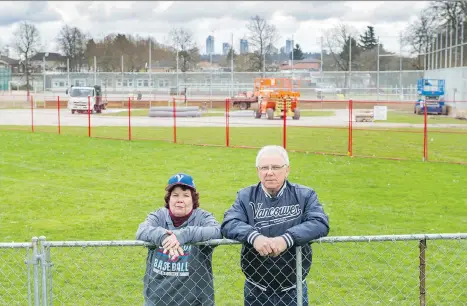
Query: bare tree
pixel 419 34
pixel 448 11
pixel 343 47
pixel 337 40
pixel 188 53
pixel 262 37
pixel 72 42
pixel 26 43
pixel 183 42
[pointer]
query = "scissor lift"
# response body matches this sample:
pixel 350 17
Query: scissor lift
pixel 431 95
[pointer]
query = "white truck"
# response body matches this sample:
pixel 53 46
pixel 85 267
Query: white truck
pixel 80 98
pixel 323 88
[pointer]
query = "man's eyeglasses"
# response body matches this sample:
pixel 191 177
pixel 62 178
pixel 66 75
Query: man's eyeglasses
pixel 271 167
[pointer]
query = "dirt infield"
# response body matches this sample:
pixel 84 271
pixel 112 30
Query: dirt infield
pixel 49 101
pixel 48 117
pixel 220 104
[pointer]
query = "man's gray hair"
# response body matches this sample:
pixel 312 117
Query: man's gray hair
pixel 273 150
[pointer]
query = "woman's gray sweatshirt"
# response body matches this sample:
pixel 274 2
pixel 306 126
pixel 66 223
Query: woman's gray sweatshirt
pixel 188 280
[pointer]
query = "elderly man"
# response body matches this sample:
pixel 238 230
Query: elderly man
pixel 271 218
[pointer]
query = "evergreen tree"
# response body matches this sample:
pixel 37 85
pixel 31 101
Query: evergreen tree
pixel 350 43
pixel 229 55
pixel 297 53
pixel 368 39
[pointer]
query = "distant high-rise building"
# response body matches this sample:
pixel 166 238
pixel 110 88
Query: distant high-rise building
pixel 225 48
pixel 271 49
pixel 243 46
pixel 210 45
pixel 289 45
pixel 5 51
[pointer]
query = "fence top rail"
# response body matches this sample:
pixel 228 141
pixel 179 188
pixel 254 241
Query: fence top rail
pixel 214 242
pixel 381 238
pixel 15 245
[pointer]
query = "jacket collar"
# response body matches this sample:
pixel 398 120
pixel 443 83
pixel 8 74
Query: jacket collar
pixel 169 221
pixel 281 191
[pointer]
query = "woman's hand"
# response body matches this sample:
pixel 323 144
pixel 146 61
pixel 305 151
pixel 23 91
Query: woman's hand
pixel 170 241
pixel 172 246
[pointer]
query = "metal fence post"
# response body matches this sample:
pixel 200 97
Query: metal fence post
pixel 422 246
pixel 28 262
pixel 49 265
pixel 298 251
pixel 35 259
pixel 44 269
pixel 49 273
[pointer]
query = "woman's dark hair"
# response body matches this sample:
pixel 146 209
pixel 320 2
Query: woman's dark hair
pixel 194 196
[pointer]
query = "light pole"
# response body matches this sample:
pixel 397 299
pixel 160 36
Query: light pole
pixel 68 72
pixel 43 67
pixel 95 70
pixel 322 62
pixel 462 41
pixel 400 66
pixel 377 71
pixel 350 62
pixel 293 75
pixel 232 67
pixel 178 90
pixel 211 50
pixel 122 76
pixel 150 71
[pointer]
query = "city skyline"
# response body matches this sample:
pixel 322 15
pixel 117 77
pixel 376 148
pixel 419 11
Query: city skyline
pixel 305 21
pixel 226 46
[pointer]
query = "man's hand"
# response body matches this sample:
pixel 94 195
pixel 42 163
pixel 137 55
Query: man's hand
pixel 278 245
pixel 262 245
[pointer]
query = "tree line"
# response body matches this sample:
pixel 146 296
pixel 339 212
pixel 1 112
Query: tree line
pixel 443 19
pixel 346 49
pixel 343 47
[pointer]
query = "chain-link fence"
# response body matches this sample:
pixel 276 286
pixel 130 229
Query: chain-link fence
pixel 356 128
pixel 382 85
pixel 354 270
pixel 19 266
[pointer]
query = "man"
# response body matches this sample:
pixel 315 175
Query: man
pixel 271 218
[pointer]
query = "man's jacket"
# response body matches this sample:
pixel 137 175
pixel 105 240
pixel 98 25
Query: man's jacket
pixel 295 214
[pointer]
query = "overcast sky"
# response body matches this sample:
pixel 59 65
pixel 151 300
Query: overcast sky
pixel 306 21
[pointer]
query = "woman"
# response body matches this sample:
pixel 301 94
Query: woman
pixel 177 273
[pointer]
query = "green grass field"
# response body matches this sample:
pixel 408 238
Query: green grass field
pixel 385 143
pixel 70 187
pixel 405 117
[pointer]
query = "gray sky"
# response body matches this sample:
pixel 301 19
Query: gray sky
pixel 306 21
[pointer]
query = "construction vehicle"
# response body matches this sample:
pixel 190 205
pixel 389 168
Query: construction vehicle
pixel 274 95
pixel 244 100
pixel 82 97
pixel 430 94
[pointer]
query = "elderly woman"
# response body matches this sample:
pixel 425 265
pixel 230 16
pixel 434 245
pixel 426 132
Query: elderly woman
pixel 177 273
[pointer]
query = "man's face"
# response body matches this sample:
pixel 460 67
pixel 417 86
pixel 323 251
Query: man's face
pixel 272 171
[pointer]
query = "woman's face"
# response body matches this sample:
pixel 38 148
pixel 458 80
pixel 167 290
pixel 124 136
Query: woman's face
pixel 180 202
